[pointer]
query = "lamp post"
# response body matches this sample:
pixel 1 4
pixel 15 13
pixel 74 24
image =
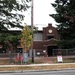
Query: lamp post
pixel 32 31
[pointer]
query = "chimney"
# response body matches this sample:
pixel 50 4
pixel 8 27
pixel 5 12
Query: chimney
pixel 50 24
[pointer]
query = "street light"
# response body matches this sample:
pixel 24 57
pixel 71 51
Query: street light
pixel 32 31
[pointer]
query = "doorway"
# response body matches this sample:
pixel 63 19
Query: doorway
pixel 50 50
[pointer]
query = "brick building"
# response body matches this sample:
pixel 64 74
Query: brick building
pixel 43 41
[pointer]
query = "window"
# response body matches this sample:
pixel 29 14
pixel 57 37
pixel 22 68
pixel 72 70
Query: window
pixel 19 50
pixel 38 37
pixel 50 37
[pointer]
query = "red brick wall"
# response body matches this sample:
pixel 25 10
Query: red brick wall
pixel 38 45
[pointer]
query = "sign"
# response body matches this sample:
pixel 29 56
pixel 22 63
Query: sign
pixel 21 58
pixel 17 58
pixel 59 59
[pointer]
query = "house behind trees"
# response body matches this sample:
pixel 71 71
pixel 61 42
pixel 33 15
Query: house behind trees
pixel 44 41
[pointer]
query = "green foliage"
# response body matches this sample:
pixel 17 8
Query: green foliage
pixel 65 17
pixel 9 13
pixel 7 40
pixel 26 38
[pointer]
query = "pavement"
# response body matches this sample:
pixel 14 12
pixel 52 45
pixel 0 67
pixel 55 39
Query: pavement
pixel 44 64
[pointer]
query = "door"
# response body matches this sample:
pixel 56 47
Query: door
pixel 50 50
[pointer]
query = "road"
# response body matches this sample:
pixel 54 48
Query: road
pixel 62 72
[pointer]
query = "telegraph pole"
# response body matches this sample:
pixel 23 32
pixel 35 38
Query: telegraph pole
pixel 32 31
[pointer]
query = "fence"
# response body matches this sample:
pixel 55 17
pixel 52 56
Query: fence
pixel 64 52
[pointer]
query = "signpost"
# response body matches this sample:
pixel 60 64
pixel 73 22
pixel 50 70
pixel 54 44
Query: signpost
pixel 59 58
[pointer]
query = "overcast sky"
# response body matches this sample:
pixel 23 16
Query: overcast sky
pixel 42 9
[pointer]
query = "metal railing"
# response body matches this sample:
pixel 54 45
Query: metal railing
pixel 64 52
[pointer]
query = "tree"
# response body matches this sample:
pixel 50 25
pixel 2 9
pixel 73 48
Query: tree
pixel 10 41
pixel 65 17
pixel 26 39
pixel 26 42
pixel 11 17
pixel 10 13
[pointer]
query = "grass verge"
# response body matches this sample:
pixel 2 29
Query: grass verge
pixel 47 67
